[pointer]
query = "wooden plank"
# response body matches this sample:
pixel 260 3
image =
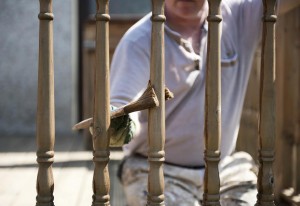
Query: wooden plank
pixel 286 144
pixel 117 193
pixel 85 186
pixel 297 102
pixel 23 185
pixel 248 132
pixel 283 146
pixel 72 170
pixel 17 170
pixel 68 179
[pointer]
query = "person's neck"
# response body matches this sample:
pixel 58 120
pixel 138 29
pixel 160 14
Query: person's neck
pixel 186 27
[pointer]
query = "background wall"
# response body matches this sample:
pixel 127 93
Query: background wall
pixel 19 26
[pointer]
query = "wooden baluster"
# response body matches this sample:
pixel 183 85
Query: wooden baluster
pixel 156 118
pixel 267 107
pixel 45 108
pixel 101 182
pixel 212 129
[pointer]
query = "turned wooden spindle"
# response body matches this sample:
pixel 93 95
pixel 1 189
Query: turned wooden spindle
pixel 156 128
pixel 211 195
pixel 101 116
pixel 45 108
pixel 265 196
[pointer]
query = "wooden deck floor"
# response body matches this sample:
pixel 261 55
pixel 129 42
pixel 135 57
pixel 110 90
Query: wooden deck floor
pixel 72 170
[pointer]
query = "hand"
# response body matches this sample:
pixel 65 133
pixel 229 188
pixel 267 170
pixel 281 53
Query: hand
pixel 120 131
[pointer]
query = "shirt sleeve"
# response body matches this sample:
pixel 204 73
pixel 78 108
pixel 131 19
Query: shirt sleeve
pixel 248 17
pixel 251 25
pixel 129 72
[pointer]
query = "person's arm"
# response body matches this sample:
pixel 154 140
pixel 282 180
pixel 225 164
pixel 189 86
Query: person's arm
pixel 129 78
pixel 287 5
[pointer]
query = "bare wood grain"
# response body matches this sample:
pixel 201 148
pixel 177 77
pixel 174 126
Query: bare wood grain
pixel 156 128
pixel 267 108
pixel 211 195
pixel 45 108
pixel 101 116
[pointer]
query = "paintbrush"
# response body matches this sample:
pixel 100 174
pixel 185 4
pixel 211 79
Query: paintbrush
pixel 147 100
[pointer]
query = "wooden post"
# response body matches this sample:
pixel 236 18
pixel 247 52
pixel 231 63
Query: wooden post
pixel 297 122
pixel 212 129
pixel 45 108
pixel 293 104
pixel 156 132
pixel 285 76
pixel 265 184
pixel 101 182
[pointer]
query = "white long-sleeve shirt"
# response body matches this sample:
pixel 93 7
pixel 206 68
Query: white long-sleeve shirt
pixel 185 77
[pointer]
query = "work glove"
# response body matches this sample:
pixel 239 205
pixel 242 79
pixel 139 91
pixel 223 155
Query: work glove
pixel 120 131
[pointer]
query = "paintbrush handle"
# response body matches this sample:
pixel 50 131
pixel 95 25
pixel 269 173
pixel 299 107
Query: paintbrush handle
pixel 146 101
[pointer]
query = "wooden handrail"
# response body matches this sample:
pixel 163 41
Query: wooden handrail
pixel 45 131
pixel 101 116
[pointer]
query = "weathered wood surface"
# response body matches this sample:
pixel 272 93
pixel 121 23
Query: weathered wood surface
pixel 156 119
pixel 288 142
pixel 72 171
pixel 117 27
pixel 287 66
pixel 212 128
pixel 101 114
pixel 265 184
pixel 45 128
pixel 248 133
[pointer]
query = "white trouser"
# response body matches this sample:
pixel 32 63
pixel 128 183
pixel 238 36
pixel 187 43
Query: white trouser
pixel 184 186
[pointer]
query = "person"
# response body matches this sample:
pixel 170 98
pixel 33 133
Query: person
pixel 186 31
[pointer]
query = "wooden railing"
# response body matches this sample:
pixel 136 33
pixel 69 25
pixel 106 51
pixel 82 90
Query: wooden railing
pixel 287 104
pixel 101 182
